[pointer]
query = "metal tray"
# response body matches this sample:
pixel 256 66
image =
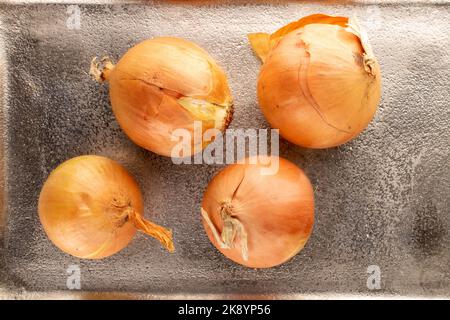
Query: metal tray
pixel 381 200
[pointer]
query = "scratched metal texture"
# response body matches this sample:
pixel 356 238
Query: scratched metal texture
pixel 382 199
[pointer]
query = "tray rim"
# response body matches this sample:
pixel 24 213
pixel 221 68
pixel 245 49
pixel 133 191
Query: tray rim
pixel 7 292
pixel 107 295
pixel 225 2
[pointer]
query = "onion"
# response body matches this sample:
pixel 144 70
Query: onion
pixel 258 220
pixel 164 84
pixel 90 207
pixel 320 82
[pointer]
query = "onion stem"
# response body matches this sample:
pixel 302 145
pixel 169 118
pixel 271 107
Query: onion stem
pixel 101 70
pixel 232 227
pixel 214 231
pixel 163 235
pixel 368 57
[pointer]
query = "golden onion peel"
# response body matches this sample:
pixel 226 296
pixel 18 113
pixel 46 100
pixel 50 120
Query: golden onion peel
pixel 258 220
pixel 90 207
pixel 319 83
pixel 164 84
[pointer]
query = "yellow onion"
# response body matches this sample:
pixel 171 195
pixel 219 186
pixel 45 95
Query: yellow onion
pixel 256 219
pixel 164 84
pixel 319 82
pixel 90 207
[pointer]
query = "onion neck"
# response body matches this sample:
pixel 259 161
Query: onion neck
pixel 101 70
pixel 232 229
pixel 369 63
pixel 369 59
pixel 163 235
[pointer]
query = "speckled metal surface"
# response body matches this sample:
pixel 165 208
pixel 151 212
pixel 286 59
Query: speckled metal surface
pixel 382 199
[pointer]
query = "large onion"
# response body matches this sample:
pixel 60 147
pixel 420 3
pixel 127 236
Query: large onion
pixel 320 82
pixel 90 207
pixel 259 220
pixel 164 84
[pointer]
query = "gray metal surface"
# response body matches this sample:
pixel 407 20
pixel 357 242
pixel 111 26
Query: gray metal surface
pixel 382 199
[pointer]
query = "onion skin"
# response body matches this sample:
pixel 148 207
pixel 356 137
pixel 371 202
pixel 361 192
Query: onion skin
pixel 151 83
pixel 277 211
pixel 320 83
pixel 90 207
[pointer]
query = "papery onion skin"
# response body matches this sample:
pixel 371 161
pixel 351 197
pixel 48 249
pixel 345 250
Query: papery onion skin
pixel 157 86
pixel 277 211
pixel 86 206
pixel 315 85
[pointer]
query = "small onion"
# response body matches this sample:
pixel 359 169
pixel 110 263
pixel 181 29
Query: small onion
pixel 90 207
pixel 164 84
pixel 259 220
pixel 320 82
